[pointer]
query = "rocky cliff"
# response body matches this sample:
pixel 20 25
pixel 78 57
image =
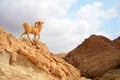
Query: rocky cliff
pixel 21 59
pixel 95 56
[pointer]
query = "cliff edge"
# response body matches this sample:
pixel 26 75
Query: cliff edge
pixel 20 59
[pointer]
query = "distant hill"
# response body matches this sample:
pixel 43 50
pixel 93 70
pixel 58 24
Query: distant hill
pixel 61 55
pixel 96 55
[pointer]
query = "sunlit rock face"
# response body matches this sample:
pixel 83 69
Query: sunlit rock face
pixel 21 59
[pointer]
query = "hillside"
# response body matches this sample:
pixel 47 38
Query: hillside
pixel 113 74
pixel 20 59
pixel 117 42
pixel 95 56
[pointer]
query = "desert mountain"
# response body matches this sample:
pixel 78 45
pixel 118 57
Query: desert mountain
pixel 117 42
pixel 96 55
pixel 20 59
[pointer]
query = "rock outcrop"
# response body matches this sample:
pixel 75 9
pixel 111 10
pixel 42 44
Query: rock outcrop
pixel 21 59
pixel 113 74
pixel 95 56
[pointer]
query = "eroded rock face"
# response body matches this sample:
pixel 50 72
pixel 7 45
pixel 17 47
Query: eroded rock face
pixel 22 70
pixel 21 59
pixel 117 42
pixel 95 56
pixel 113 74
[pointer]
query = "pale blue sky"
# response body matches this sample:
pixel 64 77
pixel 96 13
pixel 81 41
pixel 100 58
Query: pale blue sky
pixel 111 26
pixel 66 22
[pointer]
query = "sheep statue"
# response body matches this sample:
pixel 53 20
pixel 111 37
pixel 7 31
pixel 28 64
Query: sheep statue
pixel 35 30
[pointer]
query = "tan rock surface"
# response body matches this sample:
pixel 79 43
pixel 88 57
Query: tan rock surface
pixel 20 59
pixel 95 56
pixel 61 55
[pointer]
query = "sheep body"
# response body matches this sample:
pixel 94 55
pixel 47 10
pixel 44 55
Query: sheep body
pixel 35 30
pixel 29 29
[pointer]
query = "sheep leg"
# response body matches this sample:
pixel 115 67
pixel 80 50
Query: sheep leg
pixel 34 36
pixel 22 35
pixel 38 36
pixel 28 37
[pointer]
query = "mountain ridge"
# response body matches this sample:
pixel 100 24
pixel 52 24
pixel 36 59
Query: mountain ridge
pixel 96 55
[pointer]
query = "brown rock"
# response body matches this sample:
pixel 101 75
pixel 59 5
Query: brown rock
pixel 117 42
pixel 95 56
pixel 113 74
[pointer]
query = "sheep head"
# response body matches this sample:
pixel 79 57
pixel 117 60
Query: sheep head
pixel 37 23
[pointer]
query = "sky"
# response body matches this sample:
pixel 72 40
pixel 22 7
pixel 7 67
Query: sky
pixel 66 22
